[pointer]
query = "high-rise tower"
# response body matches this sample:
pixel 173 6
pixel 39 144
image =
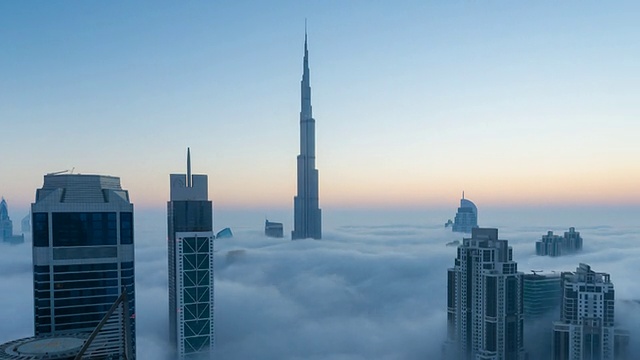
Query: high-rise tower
pixel 484 301
pixel 190 226
pixel 466 217
pixel 6 225
pixel 586 328
pixel 83 258
pixel 307 214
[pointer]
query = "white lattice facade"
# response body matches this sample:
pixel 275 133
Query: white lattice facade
pixel 195 294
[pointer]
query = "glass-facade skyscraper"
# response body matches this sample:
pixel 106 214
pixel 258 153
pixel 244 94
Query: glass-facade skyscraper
pixel 190 243
pixel 466 217
pixel 83 257
pixel 307 216
pixel 542 294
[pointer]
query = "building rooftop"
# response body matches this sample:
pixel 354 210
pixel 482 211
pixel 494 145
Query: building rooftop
pixel 80 188
pixel 60 347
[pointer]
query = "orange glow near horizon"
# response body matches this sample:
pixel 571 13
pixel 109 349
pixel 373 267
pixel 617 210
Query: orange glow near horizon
pixel 615 185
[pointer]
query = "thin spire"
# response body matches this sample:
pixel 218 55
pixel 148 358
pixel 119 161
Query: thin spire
pixel 305 84
pixel 188 167
pixel 463 194
pixel 306 51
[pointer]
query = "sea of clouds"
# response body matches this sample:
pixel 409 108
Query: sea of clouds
pixel 367 290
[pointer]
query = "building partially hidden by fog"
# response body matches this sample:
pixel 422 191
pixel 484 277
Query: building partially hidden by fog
pixel 542 294
pixel 273 229
pixel 83 258
pixel 484 301
pixel 586 329
pixel 307 221
pixel 541 297
pixel 225 233
pixel 6 226
pixel 191 245
pixel 25 224
pixel 555 245
pixel 466 217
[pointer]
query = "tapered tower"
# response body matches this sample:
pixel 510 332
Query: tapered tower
pixel 307 214
pixel 191 297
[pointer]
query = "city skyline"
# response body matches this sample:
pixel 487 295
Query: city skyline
pixel 412 100
pixel 330 298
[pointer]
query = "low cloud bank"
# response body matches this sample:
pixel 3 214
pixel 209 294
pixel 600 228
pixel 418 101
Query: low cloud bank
pixel 363 292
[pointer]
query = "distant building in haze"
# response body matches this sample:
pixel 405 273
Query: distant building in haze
pixel 191 241
pixel 6 226
pixel 83 258
pixel 586 329
pixel 555 245
pixel 225 233
pixel 307 221
pixel 273 229
pixel 466 217
pixel 484 300
pixel 26 224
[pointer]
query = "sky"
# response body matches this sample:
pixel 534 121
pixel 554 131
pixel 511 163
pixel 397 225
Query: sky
pixel 366 291
pixel 527 103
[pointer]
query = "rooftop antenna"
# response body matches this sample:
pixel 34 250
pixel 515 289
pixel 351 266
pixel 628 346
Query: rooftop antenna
pixel 188 167
pixel 463 194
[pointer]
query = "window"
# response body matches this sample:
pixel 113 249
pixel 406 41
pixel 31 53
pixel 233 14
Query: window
pixel 126 228
pixel 40 229
pixel 83 229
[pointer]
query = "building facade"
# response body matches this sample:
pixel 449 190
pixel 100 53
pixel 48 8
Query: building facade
pixel 542 297
pixel 542 294
pixel 466 217
pixel 484 301
pixel 586 330
pixel 273 229
pixel 556 245
pixel 83 258
pixel 307 221
pixel 190 245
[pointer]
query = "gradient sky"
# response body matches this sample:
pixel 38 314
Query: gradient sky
pixel 527 102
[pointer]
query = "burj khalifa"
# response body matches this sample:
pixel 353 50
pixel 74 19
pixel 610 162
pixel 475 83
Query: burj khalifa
pixel 307 213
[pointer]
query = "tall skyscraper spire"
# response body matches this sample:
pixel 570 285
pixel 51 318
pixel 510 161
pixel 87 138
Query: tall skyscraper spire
pixel 307 214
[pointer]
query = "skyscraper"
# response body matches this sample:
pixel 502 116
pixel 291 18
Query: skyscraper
pixel 190 242
pixel 484 301
pixel 466 217
pixel 555 245
pixel 307 222
pixel 586 328
pixel 6 225
pixel 83 257
pixel 542 294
